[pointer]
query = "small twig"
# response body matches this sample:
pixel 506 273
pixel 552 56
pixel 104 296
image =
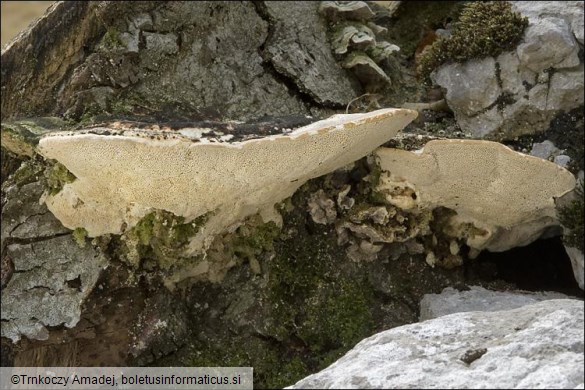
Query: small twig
pixel 355 99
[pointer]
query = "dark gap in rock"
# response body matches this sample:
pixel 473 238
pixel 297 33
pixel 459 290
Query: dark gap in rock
pixel 294 89
pixel 74 283
pixel 540 266
pixel 6 353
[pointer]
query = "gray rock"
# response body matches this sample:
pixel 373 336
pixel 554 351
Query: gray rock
pixel 510 76
pixel 535 346
pixel 562 160
pixel 571 11
pixel 566 89
pixel 548 42
pixel 451 301
pixel 540 78
pixel 578 264
pixel 544 149
pixel 50 281
pixel 471 87
pixel 482 124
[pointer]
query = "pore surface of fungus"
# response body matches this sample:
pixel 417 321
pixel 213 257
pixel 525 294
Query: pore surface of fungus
pixel 502 198
pixel 122 175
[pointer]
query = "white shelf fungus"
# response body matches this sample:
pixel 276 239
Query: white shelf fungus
pixel 122 176
pixel 503 198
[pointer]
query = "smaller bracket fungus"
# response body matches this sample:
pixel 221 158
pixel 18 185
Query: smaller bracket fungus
pixel 352 10
pixel 501 198
pixel 366 70
pixel 354 41
pixel 356 35
pixel 124 174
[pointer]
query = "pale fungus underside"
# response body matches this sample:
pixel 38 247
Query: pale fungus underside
pixel 123 175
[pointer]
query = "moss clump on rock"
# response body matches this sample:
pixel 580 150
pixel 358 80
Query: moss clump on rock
pixel 337 316
pixel 254 237
pixel 160 237
pixel 79 235
pixel 57 176
pixel 484 29
pixel 571 217
pixel 29 171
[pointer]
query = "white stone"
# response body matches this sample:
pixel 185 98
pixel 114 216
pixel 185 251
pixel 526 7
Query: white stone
pixel 482 124
pixel 451 301
pixel 541 77
pixel 562 160
pixel 572 11
pixel 534 346
pixel 510 74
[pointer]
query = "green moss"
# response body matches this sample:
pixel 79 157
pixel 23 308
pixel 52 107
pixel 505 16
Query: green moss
pixel 22 136
pixel 160 237
pixel 319 300
pixel 255 237
pixel 272 369
pixel 571 217
pixel 484 29
pixel 57 176
pixel 368 195
pixel 79 235
pixel 28 172
pixel 111 40
pixel 337 316
pixel 413 18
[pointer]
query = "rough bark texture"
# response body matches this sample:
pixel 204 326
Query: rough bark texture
pixel 174 59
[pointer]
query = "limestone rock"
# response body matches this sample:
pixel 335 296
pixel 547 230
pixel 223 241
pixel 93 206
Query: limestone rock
pixel 520 91
pixel 477 298
pixel 535 346
pixel 469 90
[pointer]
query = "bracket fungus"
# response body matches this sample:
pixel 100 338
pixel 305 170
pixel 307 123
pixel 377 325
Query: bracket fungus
pixel 354 40
pixel 353 10
pixel 501 198
pixel 123 175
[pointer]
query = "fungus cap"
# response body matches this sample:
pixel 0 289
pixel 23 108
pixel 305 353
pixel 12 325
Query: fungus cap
pixel 123 175
pixel 507 194
pixel 350 10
